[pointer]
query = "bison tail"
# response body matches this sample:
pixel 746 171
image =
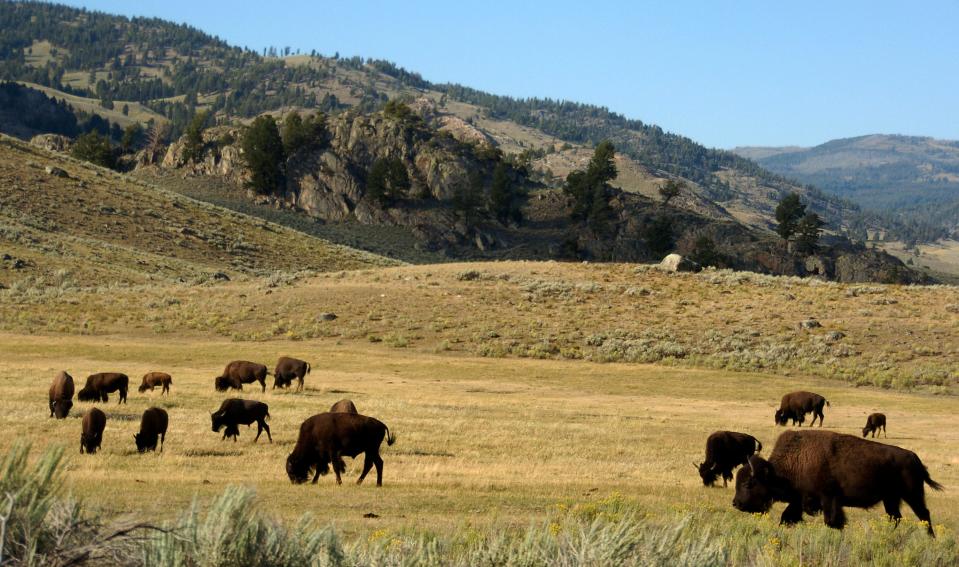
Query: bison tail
pixel 267 416
pixel 933 484
pixel 307 367
pixel 759 445
pixel 390 437
pixel 827 403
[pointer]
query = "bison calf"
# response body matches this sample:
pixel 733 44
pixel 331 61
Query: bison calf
pixel 235 411
pixel 152 426
pixel 796 405
pixel 99 385
pixel 153 379
pixel 822 470
pixel 61 395
pixel 874 423
pixel 328 437
pixel 289 369
pixel 343 406
pixel 726 450
pixel 91 433
pixel 241 372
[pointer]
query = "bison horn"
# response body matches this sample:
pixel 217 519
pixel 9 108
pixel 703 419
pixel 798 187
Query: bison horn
pixel 751 469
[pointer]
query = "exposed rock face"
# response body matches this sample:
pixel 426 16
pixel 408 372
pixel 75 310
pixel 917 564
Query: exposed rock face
pixel 52 142
pixel 219 159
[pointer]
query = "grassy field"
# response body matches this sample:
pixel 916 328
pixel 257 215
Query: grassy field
pixel 481 442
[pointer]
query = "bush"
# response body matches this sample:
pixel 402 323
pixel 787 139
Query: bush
pixel 94 148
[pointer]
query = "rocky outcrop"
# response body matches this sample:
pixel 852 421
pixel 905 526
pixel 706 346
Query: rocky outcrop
pixel 52 142
pixel 222 156
pixel 677 263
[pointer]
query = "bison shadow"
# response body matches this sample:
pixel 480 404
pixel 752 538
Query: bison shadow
pixel 212 453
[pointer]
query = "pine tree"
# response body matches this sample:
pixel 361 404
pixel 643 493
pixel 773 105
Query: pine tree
pixel 788 213
pixel 808 231
pixel 670 190
pixel 193 147
pixel 263 152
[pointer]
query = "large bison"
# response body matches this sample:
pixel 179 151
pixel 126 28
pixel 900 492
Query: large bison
pixel 726 450
pixel 235 411
pixel 153 425
pixel 823 470
pixel 241 372
pixel 874 423
pixel 343 406
pixel 61 395
pixel 99 385
pixel 328 437
pixel 153 379
pixel 91 430
pixel 289 369
pixel 796 405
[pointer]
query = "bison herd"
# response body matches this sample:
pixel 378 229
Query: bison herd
pixel 818 471
pixel 324 438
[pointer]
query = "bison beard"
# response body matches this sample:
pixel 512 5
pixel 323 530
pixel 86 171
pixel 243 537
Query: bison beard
pixel 816 471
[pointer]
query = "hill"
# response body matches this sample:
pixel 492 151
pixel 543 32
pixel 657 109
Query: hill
pixel 173 70
pixel 915 178
pixel 67 223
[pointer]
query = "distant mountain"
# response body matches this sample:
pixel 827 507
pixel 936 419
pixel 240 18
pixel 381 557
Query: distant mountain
pixel 917 178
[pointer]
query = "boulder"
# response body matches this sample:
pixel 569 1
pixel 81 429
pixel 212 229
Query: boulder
pixel 677 263
pixel 809 324
pixel 52 142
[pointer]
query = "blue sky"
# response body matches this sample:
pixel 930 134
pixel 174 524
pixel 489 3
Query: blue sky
pixel 722 73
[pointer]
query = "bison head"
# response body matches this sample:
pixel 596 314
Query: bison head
pixel 224 383
pixel 61 408
pixel 754 486
pixel 707 473
pixel 143 388
pixel 89 443
pixel 88 394
pixel 782 417
pixel 297 469
pixel 217 419
pixel 143 442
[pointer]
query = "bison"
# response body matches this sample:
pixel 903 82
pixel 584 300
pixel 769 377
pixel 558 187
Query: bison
pixel 153 424
pixel 874 423
pixel 287 369
pixel 91 433
pixel 61 395
pixel 823 470
pixel 328 437
pixel 726 450
pixel 235 411
pixel 99 385
pixel 153 379
pixel 796 405
pixel 241 372
pixel 343 406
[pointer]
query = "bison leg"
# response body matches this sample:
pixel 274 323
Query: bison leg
pixel 367 465
pixel 378 463
pixel 892 509
pixel 316 475
pixel 263 384
pixel 917 501
pixel 792 514
pixel 267 429
pixel 833 514
pixel 261 426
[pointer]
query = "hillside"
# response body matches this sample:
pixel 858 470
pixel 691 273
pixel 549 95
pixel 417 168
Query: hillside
pixel 914 177
pixel 173 70
pixel 66 223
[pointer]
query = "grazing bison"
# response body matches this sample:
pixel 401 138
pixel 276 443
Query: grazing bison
pixel 796 405
pixel 822 470
pixel 726 450
pixel 874 423
pixel 99 385
pixel 241 372
pixel 235 411
pixel 91 434
pixel 343 406
pixel 61 395
pixel 328 437
pixel 287 369
pixel 153 379
pixel 152 425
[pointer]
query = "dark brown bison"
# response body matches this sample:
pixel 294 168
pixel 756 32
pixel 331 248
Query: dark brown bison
pixel 289 369
pixel 796 405
pixel 816 471
pixel 328 437
pixel 91 433
pixel 343 406
pixel 241 372
pixel 99 385
pixel 874 423
pixel 61 395
pixel 153 379
pixel 726 450
pixel 153 425
pixel 235 411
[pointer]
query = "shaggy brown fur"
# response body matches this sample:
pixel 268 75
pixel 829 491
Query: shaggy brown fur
pixel 874 423
pixel 61 395
pixel 241 372
pixel 328 437
pixel 153 425
pixel 796 405
pixel 91 433
pixel 289 369
pixel 726 450
pixel 153 379
pixel 234 411
pixel 343 406
pixel 99 385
